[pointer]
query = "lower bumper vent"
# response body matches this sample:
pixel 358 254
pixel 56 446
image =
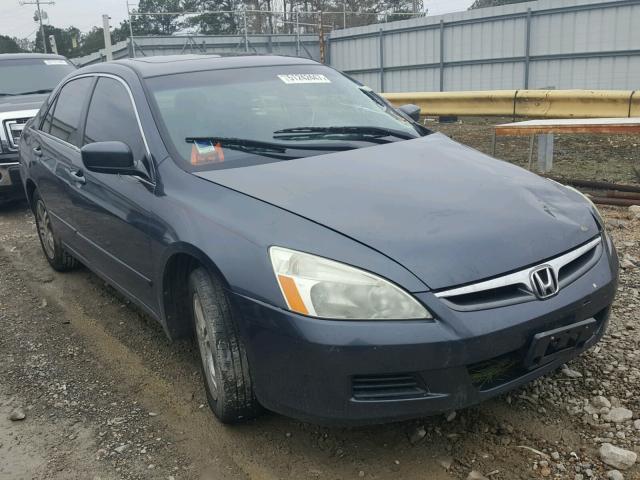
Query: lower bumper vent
pixel 387 387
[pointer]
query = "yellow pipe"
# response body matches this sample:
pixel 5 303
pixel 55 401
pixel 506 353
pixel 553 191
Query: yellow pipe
pixel 526 103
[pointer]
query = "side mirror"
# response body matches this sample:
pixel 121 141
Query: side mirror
pixel 411 111
pixel 108 157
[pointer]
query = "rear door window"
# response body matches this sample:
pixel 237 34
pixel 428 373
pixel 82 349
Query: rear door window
pixel 67 112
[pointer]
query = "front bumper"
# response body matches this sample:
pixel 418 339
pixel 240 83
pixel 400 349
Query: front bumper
pixel 10 184
pixel 340 372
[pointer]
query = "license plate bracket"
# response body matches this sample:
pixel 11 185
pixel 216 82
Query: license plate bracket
pixel 550 345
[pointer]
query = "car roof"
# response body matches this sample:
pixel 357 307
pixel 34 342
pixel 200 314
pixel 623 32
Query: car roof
pixel 148 67
pixel 26 56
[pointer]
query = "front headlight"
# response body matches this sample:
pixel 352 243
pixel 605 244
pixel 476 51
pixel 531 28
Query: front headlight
pixel 323 288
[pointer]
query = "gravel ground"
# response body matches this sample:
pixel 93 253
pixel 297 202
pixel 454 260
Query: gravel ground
pixel 105 395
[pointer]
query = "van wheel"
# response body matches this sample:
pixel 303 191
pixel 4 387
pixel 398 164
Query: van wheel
pixel 53 250
pixel 223 357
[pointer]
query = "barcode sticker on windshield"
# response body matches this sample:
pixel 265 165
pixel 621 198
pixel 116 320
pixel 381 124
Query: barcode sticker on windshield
pixel 55 62
pixel 304 78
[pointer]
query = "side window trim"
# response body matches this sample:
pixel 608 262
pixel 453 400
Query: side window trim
pixel 85 111
pixel 133 105
pixel 49 109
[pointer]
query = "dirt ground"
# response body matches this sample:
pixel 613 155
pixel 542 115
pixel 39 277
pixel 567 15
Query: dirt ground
pixel 106 396
pixel 610 158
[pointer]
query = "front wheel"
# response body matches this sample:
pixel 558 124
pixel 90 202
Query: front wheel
pixel 52 247
pixel 223 357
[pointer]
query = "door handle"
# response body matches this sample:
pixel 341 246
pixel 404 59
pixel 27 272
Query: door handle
pixel 37 151
pixel 78 177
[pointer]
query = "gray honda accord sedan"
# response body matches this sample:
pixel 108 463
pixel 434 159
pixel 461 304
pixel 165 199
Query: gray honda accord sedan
pixel 335 260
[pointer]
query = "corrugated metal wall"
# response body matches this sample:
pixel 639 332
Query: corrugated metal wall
pixel 543 44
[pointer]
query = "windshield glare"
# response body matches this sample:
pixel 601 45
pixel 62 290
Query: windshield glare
pixel 257 103
pixel 31 75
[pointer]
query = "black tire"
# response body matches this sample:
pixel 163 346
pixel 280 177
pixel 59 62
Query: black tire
pixel 54 252
pixel 225 368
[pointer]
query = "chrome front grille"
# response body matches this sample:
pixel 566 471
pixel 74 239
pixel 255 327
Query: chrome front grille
pixel 517 287
pixel 12 124
pixel 13 129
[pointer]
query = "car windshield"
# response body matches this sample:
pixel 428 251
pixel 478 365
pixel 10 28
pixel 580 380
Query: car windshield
pixel 32 75
pixel 238 117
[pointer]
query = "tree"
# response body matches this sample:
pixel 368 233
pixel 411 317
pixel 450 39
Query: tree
pixel 493 3
pixel 157 24
pixel 67 40
pixel 214 23
pixel 92 41
pixel 121 32
pixel 9 45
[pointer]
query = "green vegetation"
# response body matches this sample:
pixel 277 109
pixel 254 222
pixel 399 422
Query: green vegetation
pixel 493 3
pixel 9 45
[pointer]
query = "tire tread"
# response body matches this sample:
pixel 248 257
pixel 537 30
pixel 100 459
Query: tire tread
pixel 242 404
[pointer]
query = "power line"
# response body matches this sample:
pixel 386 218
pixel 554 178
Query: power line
pixel 38 3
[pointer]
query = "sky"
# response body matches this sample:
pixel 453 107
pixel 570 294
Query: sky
pixel 17 20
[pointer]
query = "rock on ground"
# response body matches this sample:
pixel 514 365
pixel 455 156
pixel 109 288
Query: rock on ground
pixel 475 475
pixel 17 415
pixel 617 457
pixel 600 402
pixel 614 475
pixel 618 415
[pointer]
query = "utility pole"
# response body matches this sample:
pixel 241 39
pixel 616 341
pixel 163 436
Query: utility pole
pixel 38 3
pixel 321 38
pixel 106 29
pixel 132 43
pixel 54 45
pixel 246 32
pixel 344 14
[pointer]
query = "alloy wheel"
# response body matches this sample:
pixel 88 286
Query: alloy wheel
pixel 44 230
pixel 206 342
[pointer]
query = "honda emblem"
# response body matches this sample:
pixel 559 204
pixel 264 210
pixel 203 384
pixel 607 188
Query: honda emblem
pixel 544 282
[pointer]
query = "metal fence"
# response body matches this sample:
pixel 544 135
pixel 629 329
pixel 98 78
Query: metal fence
pixel 296 33
pixel 294 45
pixel 562 44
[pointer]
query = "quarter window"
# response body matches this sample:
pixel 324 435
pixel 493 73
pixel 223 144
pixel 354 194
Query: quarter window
pixel 111 117
pixel 46 124
pixel 65 121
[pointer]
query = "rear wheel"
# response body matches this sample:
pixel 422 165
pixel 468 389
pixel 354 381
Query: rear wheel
pixel 223 357
pixel 52 248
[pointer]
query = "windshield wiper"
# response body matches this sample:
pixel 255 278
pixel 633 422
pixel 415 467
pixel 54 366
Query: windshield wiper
pixel 375 133
pixel 272 148
pixel 7 94
pixel 35 92
pixel 231 142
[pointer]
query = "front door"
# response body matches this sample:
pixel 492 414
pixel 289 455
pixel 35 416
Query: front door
pixel 113 211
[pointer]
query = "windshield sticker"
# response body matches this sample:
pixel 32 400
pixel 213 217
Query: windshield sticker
pixel 303 78
pixel 204 152
pixel 55 62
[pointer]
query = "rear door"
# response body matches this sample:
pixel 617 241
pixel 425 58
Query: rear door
pixel 56 144
pixel 112 212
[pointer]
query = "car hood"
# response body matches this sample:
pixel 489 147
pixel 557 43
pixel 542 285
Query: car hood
pixel 448 213
pixel 22 102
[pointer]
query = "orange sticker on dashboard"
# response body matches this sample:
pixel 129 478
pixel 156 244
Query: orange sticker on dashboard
pixel 204 152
